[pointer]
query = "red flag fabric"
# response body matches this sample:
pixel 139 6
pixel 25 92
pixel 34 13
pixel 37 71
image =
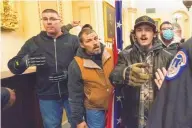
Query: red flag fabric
pixel 115 103
pixel 115 51
pixel 110 116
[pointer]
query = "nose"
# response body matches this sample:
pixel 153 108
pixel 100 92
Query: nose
pixel 143 32
pixel 48 21
pixel 95 42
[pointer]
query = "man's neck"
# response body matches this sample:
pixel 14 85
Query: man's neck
pixel 54 35
pixel 166 42
pixel 146 48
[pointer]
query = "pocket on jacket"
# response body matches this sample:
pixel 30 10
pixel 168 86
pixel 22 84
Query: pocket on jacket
pixel 99 97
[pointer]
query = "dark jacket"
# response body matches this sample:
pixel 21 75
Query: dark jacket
pixel 173 106
pixel 127 57
pixel 58 52
pixel 66 28
pixel 172 48
pixel 78 86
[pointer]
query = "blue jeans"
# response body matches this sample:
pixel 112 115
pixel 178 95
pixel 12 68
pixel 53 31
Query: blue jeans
pixel 52 112
pixel 95 118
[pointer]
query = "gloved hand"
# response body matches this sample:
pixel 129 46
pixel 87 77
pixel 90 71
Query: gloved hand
pixel 35 60
pixel 59 76
pixel 137 74
pixel 28 61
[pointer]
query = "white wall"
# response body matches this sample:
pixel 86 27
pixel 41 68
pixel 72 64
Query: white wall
pixel 164 11
pixel 10 45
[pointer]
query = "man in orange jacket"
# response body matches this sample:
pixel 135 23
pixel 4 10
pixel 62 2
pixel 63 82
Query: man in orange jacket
pixel 88 81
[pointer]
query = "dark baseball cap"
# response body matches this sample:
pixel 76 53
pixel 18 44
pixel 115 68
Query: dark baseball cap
pixel 145 20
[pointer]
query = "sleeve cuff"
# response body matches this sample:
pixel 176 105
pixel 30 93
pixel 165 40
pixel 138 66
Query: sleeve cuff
pixel 126 75
pixel 124 72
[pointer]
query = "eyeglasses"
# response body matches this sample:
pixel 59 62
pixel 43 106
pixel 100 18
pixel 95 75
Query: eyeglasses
pixel 166 28
pixel 52 19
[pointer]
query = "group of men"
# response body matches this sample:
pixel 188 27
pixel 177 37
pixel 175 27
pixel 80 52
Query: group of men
pixel 78 73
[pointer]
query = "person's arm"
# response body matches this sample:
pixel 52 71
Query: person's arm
pixel 116 77
pixel 133 75
pixel 68 27
pixel 76 92
pixel 24 58
pixel 76 43
pixel 14 64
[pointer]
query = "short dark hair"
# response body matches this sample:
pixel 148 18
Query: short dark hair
pixel 87 26
pixel 165 22
pixel 50 10
pixel 131 37
pixel 84 31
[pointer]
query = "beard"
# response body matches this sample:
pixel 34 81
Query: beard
pixel 98 51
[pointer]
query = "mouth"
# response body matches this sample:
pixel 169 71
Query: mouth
pixel 49 27
pixel 96 48
pixel 144 38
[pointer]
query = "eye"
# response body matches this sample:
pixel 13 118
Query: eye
pixel 148 29
pixel 44 19
pixel 89 40
pixel 138 30
pixel 53 19
pixel 96 38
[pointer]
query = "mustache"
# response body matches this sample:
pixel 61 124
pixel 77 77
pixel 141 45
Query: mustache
pixel 144 38
pixel 96 46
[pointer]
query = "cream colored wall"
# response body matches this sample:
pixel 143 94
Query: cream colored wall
pixel 165 12
pixel 67 12
pixel 10 43
pixel 31 19
pixel 84 11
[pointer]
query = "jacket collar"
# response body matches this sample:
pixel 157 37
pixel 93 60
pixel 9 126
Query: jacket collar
pixel 156 46
pixel 44 35
pixel 88 63
pixel 173 42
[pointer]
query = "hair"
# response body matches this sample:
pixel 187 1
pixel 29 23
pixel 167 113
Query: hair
pixel 50 11
pixel 165 22
pixel 131 36
pixel 153 27
pixel 87 26
pixel 84 31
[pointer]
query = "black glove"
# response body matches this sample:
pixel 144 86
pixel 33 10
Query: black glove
pixel 59 76
pixel 35 60
pixel 28 61
pixel 137 75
